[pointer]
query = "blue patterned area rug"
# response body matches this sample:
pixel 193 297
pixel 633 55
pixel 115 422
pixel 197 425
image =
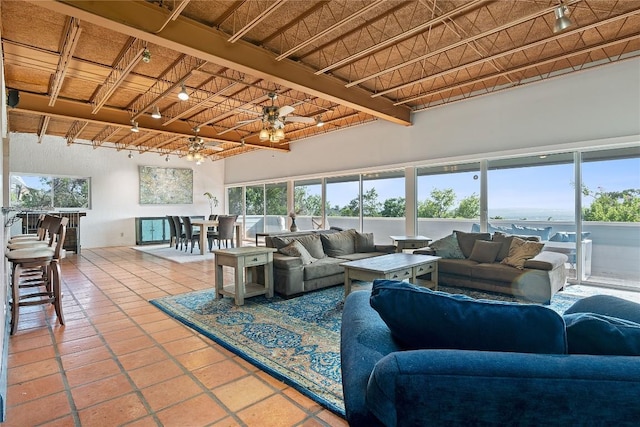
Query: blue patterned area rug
pixel 295 340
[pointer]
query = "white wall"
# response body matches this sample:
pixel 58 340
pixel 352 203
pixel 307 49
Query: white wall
pixel 114 182
pixel 581 108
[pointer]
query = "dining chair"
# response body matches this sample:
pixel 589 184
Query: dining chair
pixel 180 236
pixel 37 267
pixel 212 232
pixel 226 229
pixel 190 235
pixel 172 231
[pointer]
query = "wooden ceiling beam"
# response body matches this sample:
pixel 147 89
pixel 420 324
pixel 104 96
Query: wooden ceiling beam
pixel 141 19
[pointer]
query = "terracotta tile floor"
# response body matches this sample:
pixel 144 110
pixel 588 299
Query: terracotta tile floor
pixel 121 361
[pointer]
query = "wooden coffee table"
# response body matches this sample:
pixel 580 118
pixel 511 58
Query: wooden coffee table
pixel 410 242
pixel 397 266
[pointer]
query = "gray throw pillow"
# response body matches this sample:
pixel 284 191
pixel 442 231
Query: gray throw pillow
pixel 338 244
pixel 311 243
pixel 447 247
pixel 484 251
pixel 466 240
pixel 364 243
pixel 296 249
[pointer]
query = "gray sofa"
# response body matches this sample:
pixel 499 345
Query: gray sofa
pixel 294 275
pixel 539 279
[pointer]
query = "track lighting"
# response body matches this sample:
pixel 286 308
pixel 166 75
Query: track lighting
pixel 156 112
pixel 146 56
pixel 166 159
pixel 134 126
pixel 319 121
pixel 183 95
pixel 130 155
pixel 562 22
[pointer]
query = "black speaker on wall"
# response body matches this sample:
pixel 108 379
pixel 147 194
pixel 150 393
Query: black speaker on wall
pixel 13 98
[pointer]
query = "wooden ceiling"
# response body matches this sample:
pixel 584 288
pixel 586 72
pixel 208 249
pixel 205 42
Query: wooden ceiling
pixel 81 72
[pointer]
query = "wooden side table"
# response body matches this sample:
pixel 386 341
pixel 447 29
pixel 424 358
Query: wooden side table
pixel 410 242
pixel 242 259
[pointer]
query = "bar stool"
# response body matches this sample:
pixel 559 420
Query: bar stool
pixel 41 232
pixel 37 267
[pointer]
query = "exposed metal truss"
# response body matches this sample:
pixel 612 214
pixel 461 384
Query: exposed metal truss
pixel 346 62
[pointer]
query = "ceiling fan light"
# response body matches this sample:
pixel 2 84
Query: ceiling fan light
pixel 264 135
pixel 197 156
pixel 190 157
pixel 156 112
pixel 562 22
pixel 279 134
pixel 183 95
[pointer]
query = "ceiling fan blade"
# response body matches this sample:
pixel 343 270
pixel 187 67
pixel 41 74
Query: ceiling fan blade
pixel 244 122
pixel 287 109
pixel 295 119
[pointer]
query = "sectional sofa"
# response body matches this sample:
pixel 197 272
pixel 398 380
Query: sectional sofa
pixel 314 261
pixel 476 261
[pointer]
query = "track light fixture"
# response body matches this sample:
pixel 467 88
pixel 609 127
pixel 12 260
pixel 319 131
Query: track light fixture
pixel 166 159
pixel 146 56
pixel 156 112
pixel 562 22
pixel 183 95
pixel 134 126
pixel 319 121
pixel 130 155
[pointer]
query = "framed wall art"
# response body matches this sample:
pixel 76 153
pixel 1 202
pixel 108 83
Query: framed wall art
pixel 165 186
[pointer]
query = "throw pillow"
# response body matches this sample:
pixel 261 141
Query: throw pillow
pixel 338 244
pixel 520 251
pixel 311 243
pixel 484 251
pixel 447 247
pixel 420 318
pixel 466 240
pixel 590 333
pixel 543 233
pixel 506 240
pixel 607 305
pixel 364 242
pixel 296 249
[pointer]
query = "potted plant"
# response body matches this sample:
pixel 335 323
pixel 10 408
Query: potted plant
pixel 213 201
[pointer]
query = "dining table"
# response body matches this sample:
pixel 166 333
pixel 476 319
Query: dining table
pixel 206 223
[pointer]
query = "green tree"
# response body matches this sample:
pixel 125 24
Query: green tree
pixel 371 205
pixel 307 204
pixel 276 200
pixel 235 200
pixel 469 207
pixel 71 193
pixel 439 205
pixel 254 200
pixel 393 208
pixel 613 206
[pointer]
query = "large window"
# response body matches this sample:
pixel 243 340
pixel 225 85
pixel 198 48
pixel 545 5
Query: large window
pixel 448 199
pixel 383 202
pixel 43 192
pixel 343 201
pixel 276 207
pixel 308 203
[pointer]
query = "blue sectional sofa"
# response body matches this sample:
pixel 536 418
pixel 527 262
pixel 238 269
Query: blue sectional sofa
pixel 388 381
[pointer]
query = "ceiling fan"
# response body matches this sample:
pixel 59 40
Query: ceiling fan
pixel 197 144
pixel 276 116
